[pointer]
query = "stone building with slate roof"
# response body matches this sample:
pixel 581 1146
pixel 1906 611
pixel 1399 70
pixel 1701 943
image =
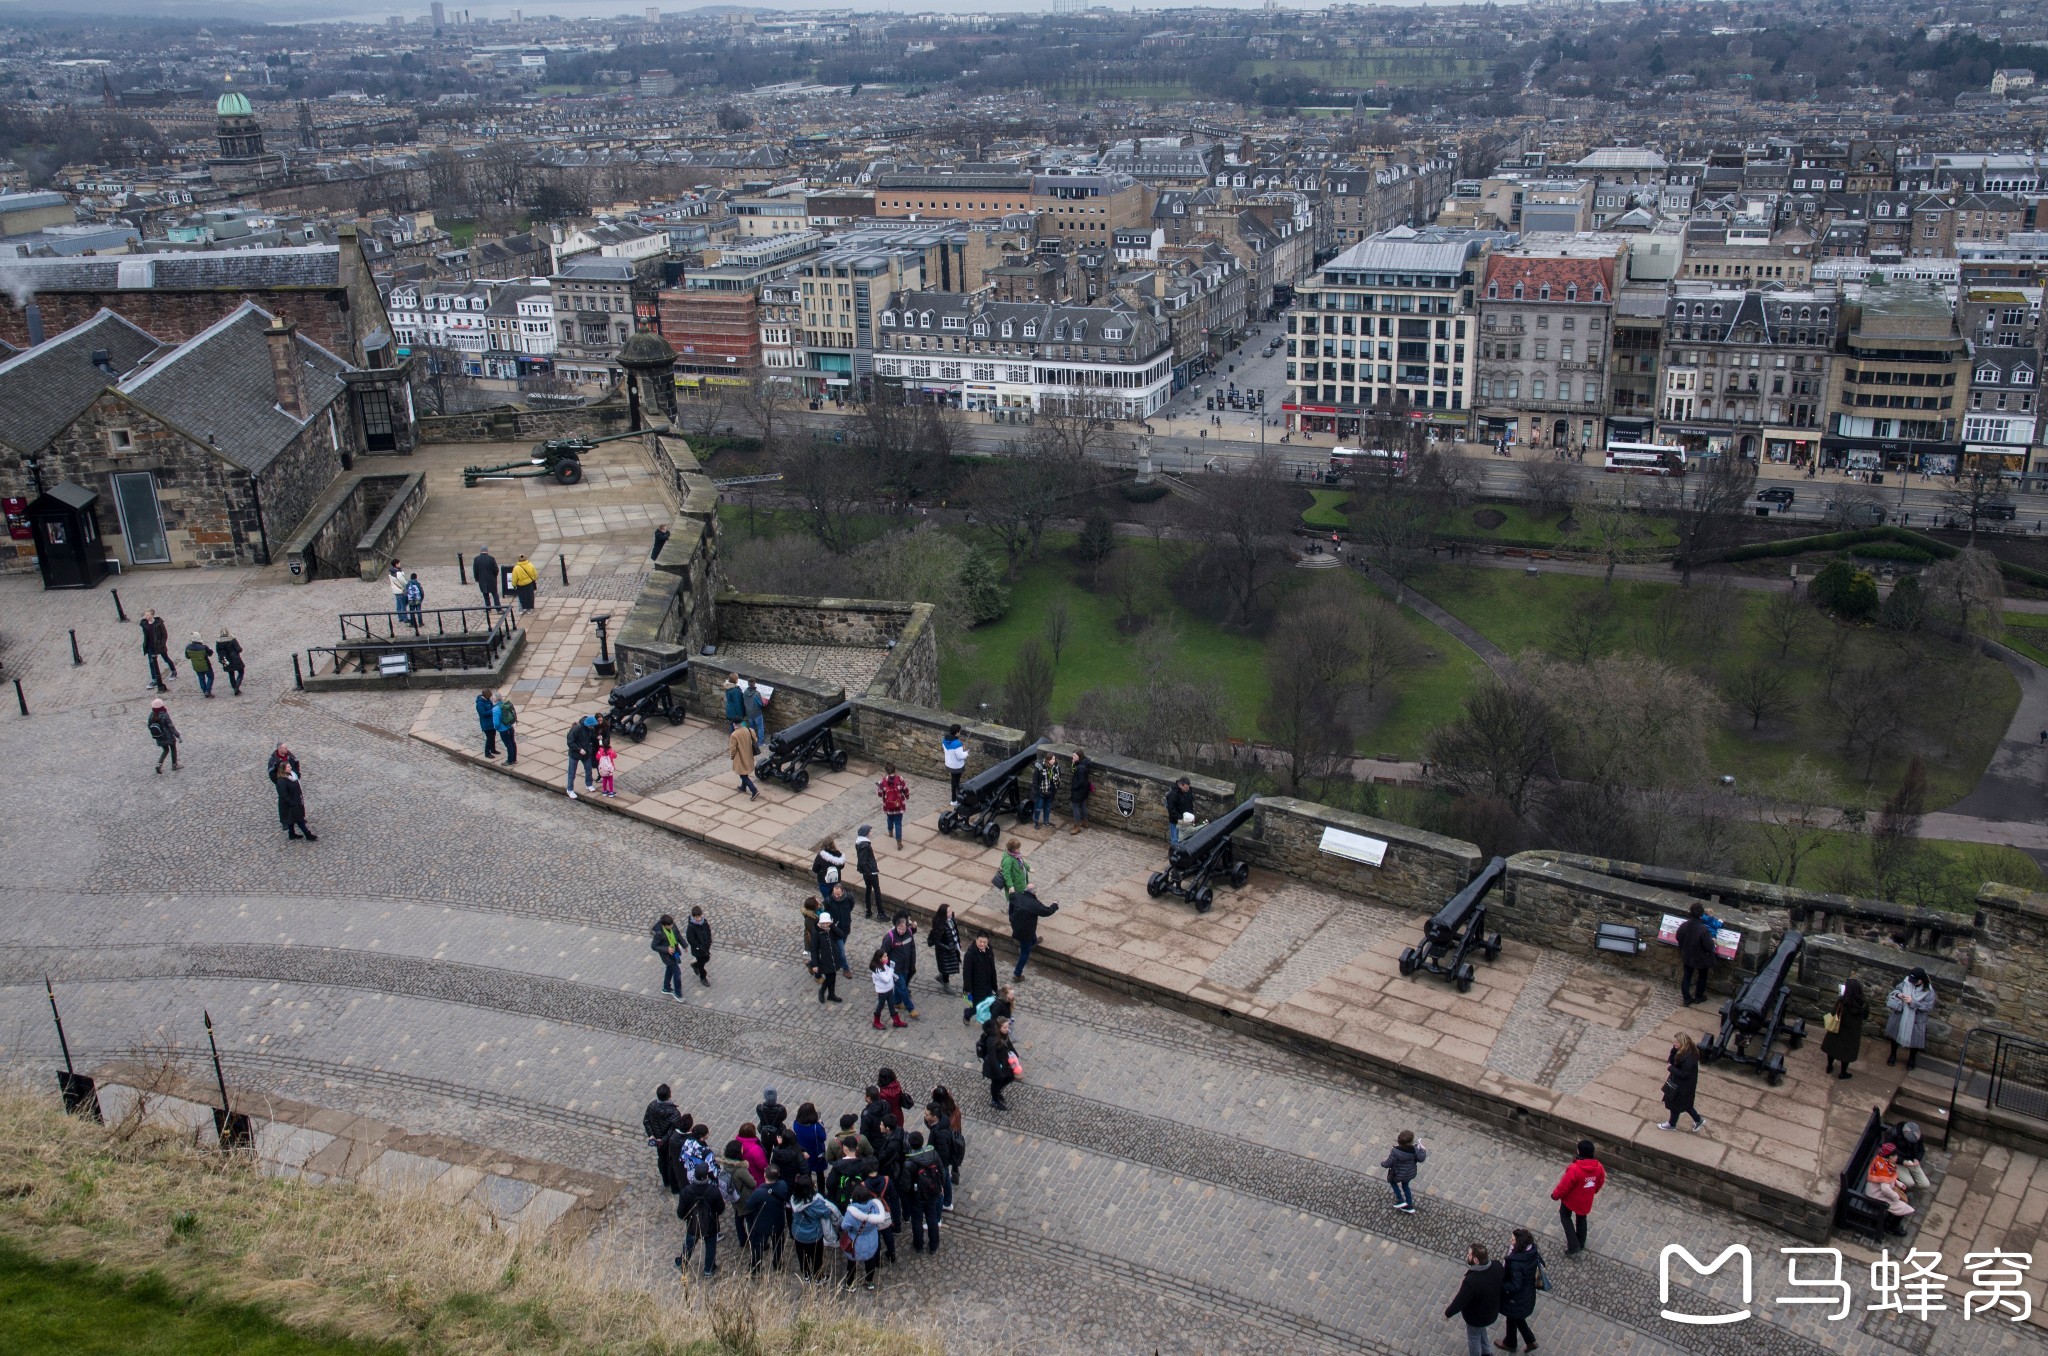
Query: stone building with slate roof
pixel 206 452
pixel 326 291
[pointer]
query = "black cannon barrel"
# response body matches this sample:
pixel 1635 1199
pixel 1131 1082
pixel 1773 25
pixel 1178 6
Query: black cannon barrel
pixel 986 781
pixel 1459 907
pixel 625 694
pixel 790 737
pixel 1753 1002
pixel 1200 843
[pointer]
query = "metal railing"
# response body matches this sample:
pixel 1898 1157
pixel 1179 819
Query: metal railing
pixel 2015 1078
pixel 440 621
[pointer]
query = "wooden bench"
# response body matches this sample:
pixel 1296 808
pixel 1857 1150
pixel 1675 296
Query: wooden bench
pixel 1855 1208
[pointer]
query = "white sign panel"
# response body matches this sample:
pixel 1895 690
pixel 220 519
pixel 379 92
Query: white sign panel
pixel 1355 846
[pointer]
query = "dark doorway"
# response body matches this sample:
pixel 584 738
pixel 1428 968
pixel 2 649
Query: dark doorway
pixel 374 404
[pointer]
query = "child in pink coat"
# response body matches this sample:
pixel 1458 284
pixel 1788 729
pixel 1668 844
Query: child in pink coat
pixel 607 767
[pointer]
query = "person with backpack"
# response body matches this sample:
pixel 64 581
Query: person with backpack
pixel 895 794
pixel 827 861
pixel 700 1207
pixel 811 1138
pixel 946 1141
pixel 860 1234
pixel 954 750
pixel 582 741
pixel 870 873
pixel 1522 1276
pixel 811 1217
pixel 487 722
pixel 751 706
pixel 657 1121
pixel 165 733
pixel 668 944
pixel 925 1172
pixel 943 937
pixel 199 657
pixel 977 975
pixel 999 1062
pixel 415 600
pixel 228 651
pixel 1574 1195
pixel 506 717
pixel 1478 1299
pixel 735 708
pixel 1401 1162
pixel 770 1111
pixel 697 936
pixel 736 1182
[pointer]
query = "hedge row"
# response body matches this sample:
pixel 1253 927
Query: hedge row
pixel 1844 541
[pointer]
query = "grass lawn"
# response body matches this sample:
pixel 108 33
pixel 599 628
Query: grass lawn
pixel 1522 523
pixel 1328 509
pixel 1956 737
pixel 1097 655
pixel 2028 633
pixel 1979 861
pixel 74 1308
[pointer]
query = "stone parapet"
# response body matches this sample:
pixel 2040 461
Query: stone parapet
pixel 794 697
pixel 1420 870
pixel 888 731
pixel 1146 784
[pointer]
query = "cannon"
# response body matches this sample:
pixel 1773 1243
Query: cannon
pixel 561 458
pixel 1201 856
pixel 1753 1020
pixel 791 751
pixel 984 798
pixel 1457 930
pixel 632 703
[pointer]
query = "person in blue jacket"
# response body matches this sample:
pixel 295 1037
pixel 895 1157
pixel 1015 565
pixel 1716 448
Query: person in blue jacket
pixel 487 721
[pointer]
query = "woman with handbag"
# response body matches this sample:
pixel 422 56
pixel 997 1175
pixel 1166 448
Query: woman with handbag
pixel 943 937
pixel 1682 1084
pixel 1524 1277
pixel 1844 1026
pixel 1909 1004
pixel 999 1062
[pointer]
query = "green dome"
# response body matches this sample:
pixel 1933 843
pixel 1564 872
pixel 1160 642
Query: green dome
pixel 233 105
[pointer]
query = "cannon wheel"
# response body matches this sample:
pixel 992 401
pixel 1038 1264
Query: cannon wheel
pixel 1464 977
pixel 1156 886
pixel 1408 960
pixel 1710 1049
pixel 568 471
pixel 1493 947
pixel 946 821
pixel 799 779
pixel 765 769
pixel 1203 899
pixel 633 728
pixel 1239 874
pixel 990 832
pixel 1774 1071
pixel 675 715
pixel 839 760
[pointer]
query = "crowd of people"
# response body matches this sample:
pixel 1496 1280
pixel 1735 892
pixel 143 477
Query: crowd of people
pixel 797 1186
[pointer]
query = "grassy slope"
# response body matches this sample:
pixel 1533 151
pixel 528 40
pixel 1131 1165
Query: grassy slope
pixel 1518 611
pixel 1097 655
pixel 1984 861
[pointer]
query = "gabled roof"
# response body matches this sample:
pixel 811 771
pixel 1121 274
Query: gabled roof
pixel 218 385
pixel 48 386
pixel 1560 275
pixel 288 266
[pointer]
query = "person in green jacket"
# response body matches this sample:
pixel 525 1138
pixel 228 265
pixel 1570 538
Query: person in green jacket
pixel 200 656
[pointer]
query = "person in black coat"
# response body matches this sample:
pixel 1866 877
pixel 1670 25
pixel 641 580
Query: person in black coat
pixel 943 937
pixel 1682 1084
pixel 156 648
pixel 870 873
pixel 1696 954
pixel 483 569
pixel 1478 1299
pixel 697 936
pixel 229 651
pixel 1025 910
pixel 661 1117
pixel 769 1111
pixel 1845 1042
pixel 1522 1276
pixel 995 1050
pixel 1082 786
pixel 977 975
pixel 1180 801
pixel 283 771
pixel 700 1207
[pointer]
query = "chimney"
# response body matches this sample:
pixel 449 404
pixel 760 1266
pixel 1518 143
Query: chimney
pixel 282 337
pixel 34 314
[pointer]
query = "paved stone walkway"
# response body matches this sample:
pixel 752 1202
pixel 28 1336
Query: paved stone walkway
pixel 461 955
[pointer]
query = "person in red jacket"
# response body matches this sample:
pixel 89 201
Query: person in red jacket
pixel 895 794
pixel 1574 1195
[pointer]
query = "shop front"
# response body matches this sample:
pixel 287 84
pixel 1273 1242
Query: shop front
pixel 1311 418
pixel 1921 455
pixel 1698 441
pixel 1499 431
pixel 1996 458
pixel 1791 447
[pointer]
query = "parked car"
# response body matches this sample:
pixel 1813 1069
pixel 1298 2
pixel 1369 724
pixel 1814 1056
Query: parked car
pixel 1776 494
pixel 1998 513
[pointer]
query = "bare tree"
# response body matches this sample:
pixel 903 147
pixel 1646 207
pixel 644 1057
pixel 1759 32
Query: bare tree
pixel 1242 517
pixel 1386 644
pixel 1973 495
pixel 1894 838
pixel 828 486
pixel 1164 715
pixel 1710 503
pixel 701 413
pixel 1396 530
pixel 1586 628
pixel 1614 523
pixel 1078 427
pixel 1310 662
pixel 1059 624
pixel 1626 722
pixel 1967 592
pixel 1501 744
pixel 1027 692
pixel 1761 692
pixel 1552 485
pixel 1792 819
pixel 1855 506
pixel 1126 579
pixel 790 563
pixel 766 397
pixel 920 565
pixel 1868 709
pixel 443 377
pixel 1095 542
pixel 1784 620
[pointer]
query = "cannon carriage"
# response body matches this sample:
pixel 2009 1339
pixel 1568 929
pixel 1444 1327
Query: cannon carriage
pixel 632 703
pixel 791 751
pixel 1754 1020
pixel 985 797
pixel 1457 930
pixel 1204 855
pixel 560 459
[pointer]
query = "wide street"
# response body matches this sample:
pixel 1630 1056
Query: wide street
pixel 466 955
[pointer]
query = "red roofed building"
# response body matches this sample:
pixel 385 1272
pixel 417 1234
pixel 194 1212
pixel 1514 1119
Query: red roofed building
pixel 1546 320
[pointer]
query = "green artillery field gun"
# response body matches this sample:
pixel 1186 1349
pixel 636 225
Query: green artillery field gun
pixel 559 458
